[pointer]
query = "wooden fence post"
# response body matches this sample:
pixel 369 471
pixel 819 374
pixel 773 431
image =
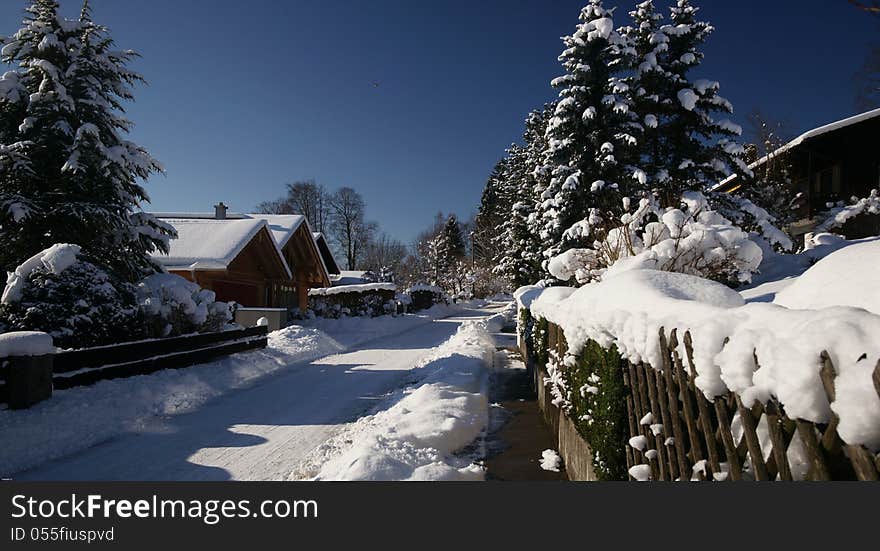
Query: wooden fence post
pixel 28 380
pixel 861 459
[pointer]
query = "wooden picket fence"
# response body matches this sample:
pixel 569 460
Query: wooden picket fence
pixel 697 441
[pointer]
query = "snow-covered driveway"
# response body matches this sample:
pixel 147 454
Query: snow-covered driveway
pixel 262 432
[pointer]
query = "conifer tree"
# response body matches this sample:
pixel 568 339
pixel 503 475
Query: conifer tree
pixel 590 134
pixel 682 147
pixel 70 176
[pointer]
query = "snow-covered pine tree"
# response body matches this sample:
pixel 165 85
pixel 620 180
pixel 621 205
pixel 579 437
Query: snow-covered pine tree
pixel 683 147
pixel 526 244
pixel 489 228
pixel 70 176
pixel 590 135
pixel 453 242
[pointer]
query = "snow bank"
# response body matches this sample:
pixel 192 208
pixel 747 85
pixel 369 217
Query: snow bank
pixel 848 277
pixel 78 418
pixel 25 343
pixel 55 259
pixel 366 287
pixel 628 311
pixel 416 437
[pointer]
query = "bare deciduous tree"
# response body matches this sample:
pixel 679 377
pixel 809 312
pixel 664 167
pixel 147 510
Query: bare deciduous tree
pixel 304 197
pixel 384 252
pixel 351 233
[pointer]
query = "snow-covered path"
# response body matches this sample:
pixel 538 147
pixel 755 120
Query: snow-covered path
pixel 262 432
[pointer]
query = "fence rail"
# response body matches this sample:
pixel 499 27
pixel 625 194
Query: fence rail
pixel 689 437
pixel 26 381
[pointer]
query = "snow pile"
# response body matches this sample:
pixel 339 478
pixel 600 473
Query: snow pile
pixel 341 289
pixel 77 418
pixel 778 271
pixel 177 306
pixel 416 437
pixel 54 260
pixel 848 277
pixel 550 461
pixel 628 310
pixel 25 343
pixel 524 296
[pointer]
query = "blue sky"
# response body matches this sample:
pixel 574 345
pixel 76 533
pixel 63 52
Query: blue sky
pixel 246 96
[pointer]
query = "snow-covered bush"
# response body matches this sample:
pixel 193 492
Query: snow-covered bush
pixel 692 239
pixel 840 214
pixel 173 306
pixel 60 292
pixel 752 218
pixel 70 298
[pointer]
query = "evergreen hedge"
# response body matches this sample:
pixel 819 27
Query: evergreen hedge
pixel 597 401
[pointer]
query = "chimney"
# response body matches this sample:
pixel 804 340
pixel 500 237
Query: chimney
pixel 220 211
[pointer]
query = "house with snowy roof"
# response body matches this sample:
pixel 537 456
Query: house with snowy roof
pixel 828 164
pixel 256 260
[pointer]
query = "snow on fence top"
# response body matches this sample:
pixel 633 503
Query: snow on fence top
pixel 341 289
pixel 25 343
pixel 628 311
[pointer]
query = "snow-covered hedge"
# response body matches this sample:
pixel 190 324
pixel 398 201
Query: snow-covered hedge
pixel 81 305
pixel 693 239
pixel 173 306
pixel 626 311
pixel 73 300
pixel 371 299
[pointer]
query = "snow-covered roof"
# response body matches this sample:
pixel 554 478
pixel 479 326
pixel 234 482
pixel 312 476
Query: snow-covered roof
pixel 210 244
pixel 832 127
pixel 282 226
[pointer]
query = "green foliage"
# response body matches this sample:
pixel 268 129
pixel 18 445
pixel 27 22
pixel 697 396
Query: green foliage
pixel 598 408
pixel 540 336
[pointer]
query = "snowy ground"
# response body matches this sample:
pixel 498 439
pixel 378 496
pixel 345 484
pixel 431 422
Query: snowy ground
pixel 430 430
pixel 279 404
